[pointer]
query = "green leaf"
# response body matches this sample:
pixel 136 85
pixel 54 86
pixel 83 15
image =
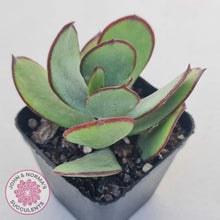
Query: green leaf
pixel 153 141
pixel 32 84
pixel 92 43
pixel 116 57
pixel 98 163
pixel 135 31
pixel 128 82
pixel 156 99
pixel 175 100
pixel 111 102
pixel 96 80
pixel 101 133
pixel 63 69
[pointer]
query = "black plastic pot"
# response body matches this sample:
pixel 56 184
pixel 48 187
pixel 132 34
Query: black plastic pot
pixel 82 207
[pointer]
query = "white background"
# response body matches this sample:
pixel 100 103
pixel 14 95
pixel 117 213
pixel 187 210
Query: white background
pixel 187 31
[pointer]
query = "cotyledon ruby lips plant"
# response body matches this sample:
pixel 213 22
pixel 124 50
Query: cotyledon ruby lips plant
pixel 89 93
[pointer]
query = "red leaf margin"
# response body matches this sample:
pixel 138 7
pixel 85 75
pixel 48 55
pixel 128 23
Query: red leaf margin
pixel 169 94
pixel 111 42
pixel 92 39
pixel 93 72
pixel 98 122
pixel 124 86
pixel 89 174
pixel 171 130
pixel 131 17
pixel 71 24
pixel 13 76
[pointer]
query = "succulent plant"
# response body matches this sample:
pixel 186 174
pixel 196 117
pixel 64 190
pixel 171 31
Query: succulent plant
pixel 90 94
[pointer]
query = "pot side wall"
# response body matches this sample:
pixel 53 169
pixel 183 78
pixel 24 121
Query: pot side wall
pixel 121 209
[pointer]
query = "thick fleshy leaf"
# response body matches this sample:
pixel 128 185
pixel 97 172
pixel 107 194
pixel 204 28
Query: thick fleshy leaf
pixel 111 102
pixel 92 43
pixel 63 69
pixel 101 133
pixel 129 82
pixel 98 163
pixel 156 99
pixel 32 84
pixel 116 57
pixel 138 33
pixel 175 100
pixel 153 141
pixel 96 80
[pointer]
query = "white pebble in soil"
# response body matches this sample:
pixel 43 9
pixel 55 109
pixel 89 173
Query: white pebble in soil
pixel 146 167
pixel 87 150
pixel 32 123
pixel 126 140
pixel 180 137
